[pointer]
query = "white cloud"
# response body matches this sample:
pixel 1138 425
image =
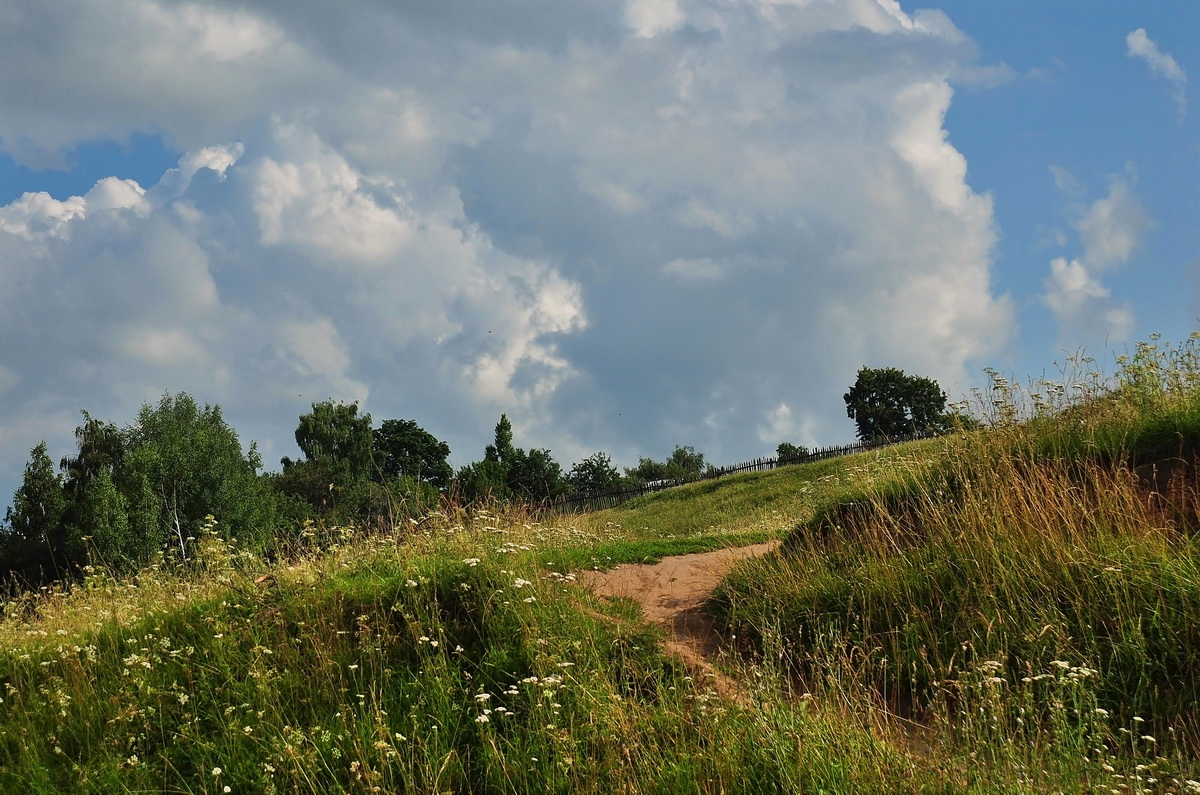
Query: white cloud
pixel 777 425
pixel 629 226
pixel 651 17
pixel 1139 45
pixel 1113 227
pixel 1084 308
pixel 1109 231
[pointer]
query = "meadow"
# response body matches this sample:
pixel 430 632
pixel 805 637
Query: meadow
pixel 1011 610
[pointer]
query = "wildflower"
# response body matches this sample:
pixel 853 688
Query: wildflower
pixel 1101 712
pixel 1149 738
pixel 483 719
pixel 472 562
pixel 216 771
pixel 482 697
pixel 521 583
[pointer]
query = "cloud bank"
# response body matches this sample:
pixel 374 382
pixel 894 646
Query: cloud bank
pixel 627 225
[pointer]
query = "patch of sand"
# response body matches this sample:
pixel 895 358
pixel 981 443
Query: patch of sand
pixel 672 593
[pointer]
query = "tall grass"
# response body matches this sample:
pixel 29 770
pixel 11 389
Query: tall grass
pixel 452 658
pixel 1032 593
pixel 1011 611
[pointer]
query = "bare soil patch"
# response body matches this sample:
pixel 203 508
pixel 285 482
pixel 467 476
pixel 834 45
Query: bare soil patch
pixel 672 594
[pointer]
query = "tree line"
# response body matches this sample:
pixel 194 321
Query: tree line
pixel 154 488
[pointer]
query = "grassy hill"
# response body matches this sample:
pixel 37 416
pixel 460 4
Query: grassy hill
pixel 1015 610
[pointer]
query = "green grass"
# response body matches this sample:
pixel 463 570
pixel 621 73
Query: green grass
pixel 405 667
pixel 1030 593
pixel 1012 611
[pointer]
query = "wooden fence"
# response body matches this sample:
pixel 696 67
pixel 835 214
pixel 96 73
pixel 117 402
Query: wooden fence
pixel 581 503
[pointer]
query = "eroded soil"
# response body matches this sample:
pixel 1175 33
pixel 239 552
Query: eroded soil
pixel 672 593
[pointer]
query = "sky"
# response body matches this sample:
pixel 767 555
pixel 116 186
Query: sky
pixel 626 224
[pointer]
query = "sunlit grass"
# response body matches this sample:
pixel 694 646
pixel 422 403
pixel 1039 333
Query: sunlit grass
pixel 1014 610
pixel 1030 593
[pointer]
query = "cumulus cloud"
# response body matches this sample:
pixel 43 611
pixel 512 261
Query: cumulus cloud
pixel 1084 308
pixel 1139 45
pixel 627 225
pixel 1109 230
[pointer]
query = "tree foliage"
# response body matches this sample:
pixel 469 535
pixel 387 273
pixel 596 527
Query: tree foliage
pixel 510 472
pixel 130 493
pixel 885 403
pixel 787 452
pixel 684 462
pixel 595 475
pixel 334 433
pixel 185 463
pixel 404 449
pixel 34 541
pixel 535 476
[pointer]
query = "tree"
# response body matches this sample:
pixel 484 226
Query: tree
pixel 101 448
pixel 885 403
pixel 335 433
pixel 507 471
pixel 131 492
pixel 595 475
pixel 535 476
pixel 405 450
pixel 183 464
pixel 34 543
pixel 684 463
pixel 501 451
pixel 788 453
pixel 482 480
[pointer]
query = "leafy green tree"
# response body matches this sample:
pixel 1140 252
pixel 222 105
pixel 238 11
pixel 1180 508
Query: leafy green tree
pixel 647 471
pixel 335 433
pixel 482 480
pixel 101 447
pixel 535 476
pixel 105 528
pixel 509 472
pixel 129 493
pixel 501 451
pixel 595 475
pixel 185 463
pixel 336 479
pixel 684 463
pixel 405 450
pixel 687 461
pixel 885 403
pixel 788 452
pixel 34 542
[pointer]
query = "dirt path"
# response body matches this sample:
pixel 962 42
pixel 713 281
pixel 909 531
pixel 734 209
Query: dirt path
pixel 672 594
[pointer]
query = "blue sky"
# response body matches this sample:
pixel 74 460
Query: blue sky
pixel 626 224
pixel 1081 103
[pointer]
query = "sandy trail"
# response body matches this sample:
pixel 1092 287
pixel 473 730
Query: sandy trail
pixel 672 594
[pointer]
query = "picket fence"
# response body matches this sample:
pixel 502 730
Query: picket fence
pixel 577 503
